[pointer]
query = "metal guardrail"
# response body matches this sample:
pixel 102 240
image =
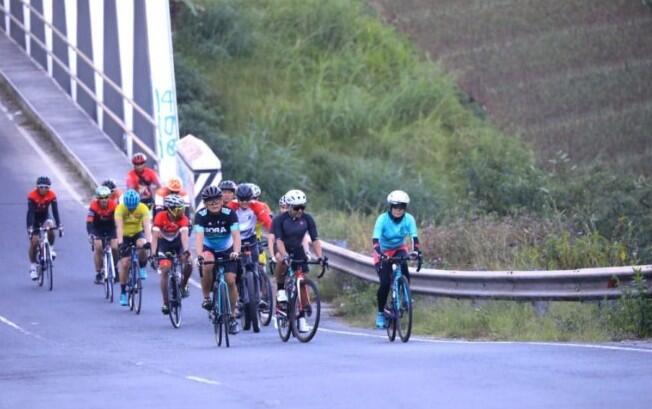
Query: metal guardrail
pixel 131 135
pixel 567 285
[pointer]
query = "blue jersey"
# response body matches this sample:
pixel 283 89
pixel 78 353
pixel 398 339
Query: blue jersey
pixel 390 234
pixel 217 228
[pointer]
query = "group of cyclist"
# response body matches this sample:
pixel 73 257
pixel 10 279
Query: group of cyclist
pixel 233 216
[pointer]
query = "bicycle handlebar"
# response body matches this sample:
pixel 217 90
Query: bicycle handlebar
pixel 411 256
pixel 324 264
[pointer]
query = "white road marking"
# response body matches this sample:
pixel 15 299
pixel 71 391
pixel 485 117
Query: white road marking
pixel 19 328
pixel 453 341
pixel 203 380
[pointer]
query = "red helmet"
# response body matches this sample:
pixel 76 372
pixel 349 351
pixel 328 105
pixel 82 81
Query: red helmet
pixel 139 159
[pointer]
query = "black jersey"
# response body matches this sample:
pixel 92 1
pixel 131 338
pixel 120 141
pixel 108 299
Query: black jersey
pixel 217 228
pixel 291 231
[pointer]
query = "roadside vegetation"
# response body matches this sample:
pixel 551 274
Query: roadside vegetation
pixel 320 95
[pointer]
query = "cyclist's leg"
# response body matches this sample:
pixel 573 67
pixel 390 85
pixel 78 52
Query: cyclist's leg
pixel 186 269
pixel 33 244
pixel 98 253
pixel 384 271
pixel 142 253
pixel 279 274
pixel 125 263
pixel 207 272
pixel 50 223
pixel 229 275
pixel 165 264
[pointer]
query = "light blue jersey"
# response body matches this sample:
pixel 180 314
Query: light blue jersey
pixel 392 235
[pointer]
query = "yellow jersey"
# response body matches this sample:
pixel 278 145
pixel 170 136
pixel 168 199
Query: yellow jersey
pixel 132 221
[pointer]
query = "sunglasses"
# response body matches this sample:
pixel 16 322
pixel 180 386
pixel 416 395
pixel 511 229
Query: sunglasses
pixel 103 197
pixel 212 203
pixel 399 206
pixel 299 207
pixel 43 186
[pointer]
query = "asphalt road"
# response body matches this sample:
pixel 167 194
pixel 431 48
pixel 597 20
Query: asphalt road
pixel 72 349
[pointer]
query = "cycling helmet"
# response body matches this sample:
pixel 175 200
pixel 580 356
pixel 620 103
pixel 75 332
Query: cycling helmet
pixel 398 197
pixel 211 192
pixel 228 185
pixel 110 183
pixel 173 202
pixel 43 181
pixel 282 202
pixel 295 197
pixel 139 159
pixel 255 189
pixel 244 192
pixel 174 185
pixel 131 198
pixel 102 192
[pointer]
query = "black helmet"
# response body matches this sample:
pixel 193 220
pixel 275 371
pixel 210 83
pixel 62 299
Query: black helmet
pixel 228 185
pixel 110 183
pixel 244 192
pixel 211 192
pixel 43 181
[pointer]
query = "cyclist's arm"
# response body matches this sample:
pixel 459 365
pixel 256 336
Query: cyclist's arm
pixel 55 212
pixel 31 212
pixel 89 220
pixel 199 239
pixel 147 227
pixel 237 244
pixel 155 234
pixel 119 227
pixel 317 246
pixel 281 248
pixel 185 240
pixel 377 249
pixel 415 244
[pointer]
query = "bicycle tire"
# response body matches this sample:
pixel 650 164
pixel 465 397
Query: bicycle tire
pixel 49 269
pixel 216 315
pixel 283 323
pixel 111 278
pixel 391 320
pixel 251 308
pixel 174 300
pixel 404 310
pixel 266 310
pixel 40 268
pixel 139 294
pixel 315 310
pixel 107 285
pixel 225 313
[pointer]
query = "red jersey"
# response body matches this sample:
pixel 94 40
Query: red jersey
pixel 170 228
pixel 141 182
pixel 99 215
pixel 41 203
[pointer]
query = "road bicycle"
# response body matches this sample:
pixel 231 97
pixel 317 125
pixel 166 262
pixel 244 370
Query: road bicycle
pixel 45 261
pixel 174 289
pixel 220 313
pixel 248 288
pixel 300 317
pixel 108 266
pixel 265 292
pixel 398 310
pixel 134 283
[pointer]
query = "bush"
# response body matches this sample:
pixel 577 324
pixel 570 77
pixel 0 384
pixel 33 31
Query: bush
pixel 631 315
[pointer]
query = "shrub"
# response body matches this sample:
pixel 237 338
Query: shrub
pixel 631 315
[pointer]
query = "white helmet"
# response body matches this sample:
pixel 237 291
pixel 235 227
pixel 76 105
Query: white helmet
pixel 398 197
pixel 295 197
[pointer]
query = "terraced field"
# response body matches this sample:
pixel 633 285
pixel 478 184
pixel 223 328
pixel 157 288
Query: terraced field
pixel 570 75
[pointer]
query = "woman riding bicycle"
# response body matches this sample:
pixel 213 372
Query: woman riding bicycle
pixel 390 231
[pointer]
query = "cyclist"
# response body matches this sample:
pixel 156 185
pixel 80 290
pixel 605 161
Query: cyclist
pixel 217 235
pixel 228 188
pixel 170 235
pixel 174 186
pixel 133 226
pixel 262 257
pixel 390 231
pixel 115 192
pixel 142 179
pixel 100 222
pixel 39 201
pixel 282 208
pixel 289 232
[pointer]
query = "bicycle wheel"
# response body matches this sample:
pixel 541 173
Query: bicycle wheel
pixel 225 313
pixel 40 268
pixel 174 300
pixel 266 303
pixel 111 279
pixel 283 324
pixel 139 294
pixel 251 308
pixel 108 287
pixel 391 320
pixel 216 315
pixel 305 311
pixel 404 313
pixel 49 269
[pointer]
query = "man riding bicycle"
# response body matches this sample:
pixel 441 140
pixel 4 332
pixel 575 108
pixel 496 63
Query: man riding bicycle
pixel 290 229
pixel 390 231
pixel 173 187
pixel 143 180
pixel 170 236
pixel 228 188
pixel 217 236
pixel 39 201
pixel 100 222
pixel 133 227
